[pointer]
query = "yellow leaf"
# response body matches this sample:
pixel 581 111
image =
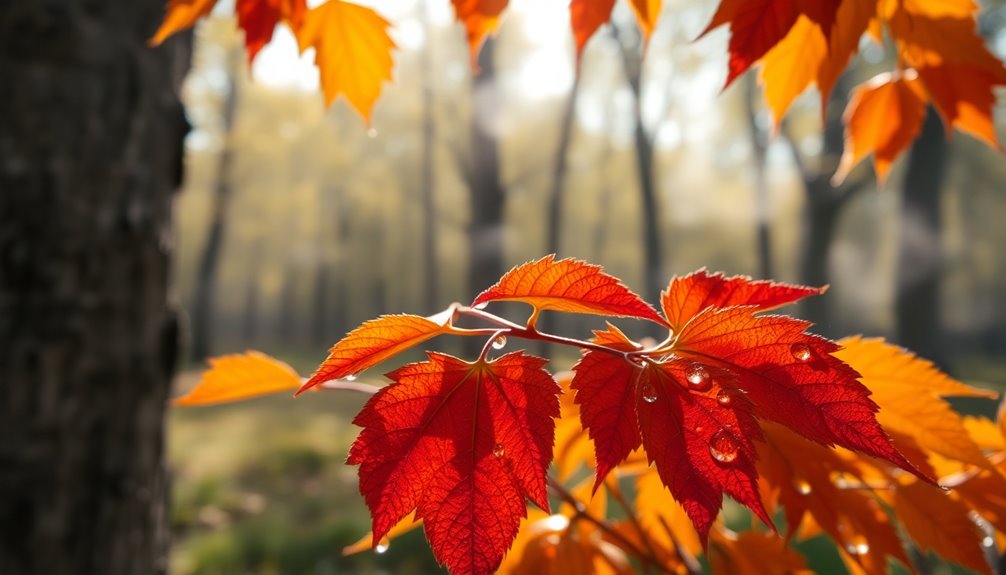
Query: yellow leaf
pixel 240 376
pixel 754 552
pixel 985 433
pixel 661 515
pixel 367 541
pixel 573 448
pixel 353 52
pixel 647 15
pixel 182 14
pixel 939 523
pixel 908 390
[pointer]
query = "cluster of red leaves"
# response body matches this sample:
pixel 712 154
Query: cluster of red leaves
pixel 734 401
pixel 940 57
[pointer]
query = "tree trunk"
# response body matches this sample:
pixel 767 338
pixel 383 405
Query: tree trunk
pixel 920 255
pixel 485 230
pixel 91 136
pixel 759 151
pixel 431 265
pixel 653 259
pixel 553 219
pixel 209 261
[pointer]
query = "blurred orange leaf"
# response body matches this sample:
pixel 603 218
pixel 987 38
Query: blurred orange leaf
pixel 480 18
pixel 352 51
pixel 240 376
pixel 939 523
pixel 647 14
pixel 181 15
pixel 883 117
pixel 586 16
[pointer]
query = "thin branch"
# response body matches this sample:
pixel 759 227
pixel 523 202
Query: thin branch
pixel 346 385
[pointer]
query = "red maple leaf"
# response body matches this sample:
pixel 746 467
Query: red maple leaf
pixel 258 18
pixel 464 445
pixel 693 403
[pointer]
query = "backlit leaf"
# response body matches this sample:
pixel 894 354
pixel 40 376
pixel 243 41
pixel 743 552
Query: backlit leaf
pixel 586 16
pixel 568 285
pixel 480 18
pixel 240 376
pixel 687 296
pixel 181 15
pixel 647 15
pixel 352 51
pixel 939 523
pixel 258 19
pixel 883 117
pixel 464 445
pixel 373 342
pixel 908 390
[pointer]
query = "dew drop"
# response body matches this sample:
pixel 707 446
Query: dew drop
pixel 351 377
pixel 723 397
pixel 802 487
pixel 698 377
pixel 499 342
pixel 382 545
pixel 698 429
pixel 800 351
pixel 372 133
pixel 649 393
pixel 988 542
pixel 858 546
pixel 723 447
pixel 499 450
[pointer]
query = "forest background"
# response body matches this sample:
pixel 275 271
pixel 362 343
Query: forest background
pixel 298 222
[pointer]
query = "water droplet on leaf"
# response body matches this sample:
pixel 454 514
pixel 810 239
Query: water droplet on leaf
pixel 499 342
pixel 482 305
pixel 858 546
pixel 723 447
pixel 723 397
pixel 800 351
pixel 499 450
pixel 649 393
pixel 698 377
pixel 698 429
pixel 988 542
pixel 351 377
pixel 802 487
pixel 382 545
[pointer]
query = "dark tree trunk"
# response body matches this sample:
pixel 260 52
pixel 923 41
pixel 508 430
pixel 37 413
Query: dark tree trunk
pixel 553 219
pixel 919 258
pixel 209 261
pixel 485 230
pixel 653 258
pixel 91 136
pixel 759 150
pixel 431 265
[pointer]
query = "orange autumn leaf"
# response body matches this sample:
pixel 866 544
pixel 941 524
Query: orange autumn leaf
pixel 568 285
pixel 883 117
pixel 940 523
pixel 352 51
pixel 909 391
pixel 181 15
pixel 586 16
pixel 754 552
pixel 240 376
pixel 807 55
pixel 940 40
pixel 647 14
pixel 480 18
pixel 985 433
pixel 409 523
pixel 373 342
pixel 662 516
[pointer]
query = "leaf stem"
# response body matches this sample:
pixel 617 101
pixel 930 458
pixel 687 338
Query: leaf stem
pixel 345 385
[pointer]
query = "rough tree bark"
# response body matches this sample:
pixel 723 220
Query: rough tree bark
pixel 917 306
pixel 91 135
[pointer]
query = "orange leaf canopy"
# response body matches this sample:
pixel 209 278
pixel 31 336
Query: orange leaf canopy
pixel 568 285
pixel 464 445
pixel 352 51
